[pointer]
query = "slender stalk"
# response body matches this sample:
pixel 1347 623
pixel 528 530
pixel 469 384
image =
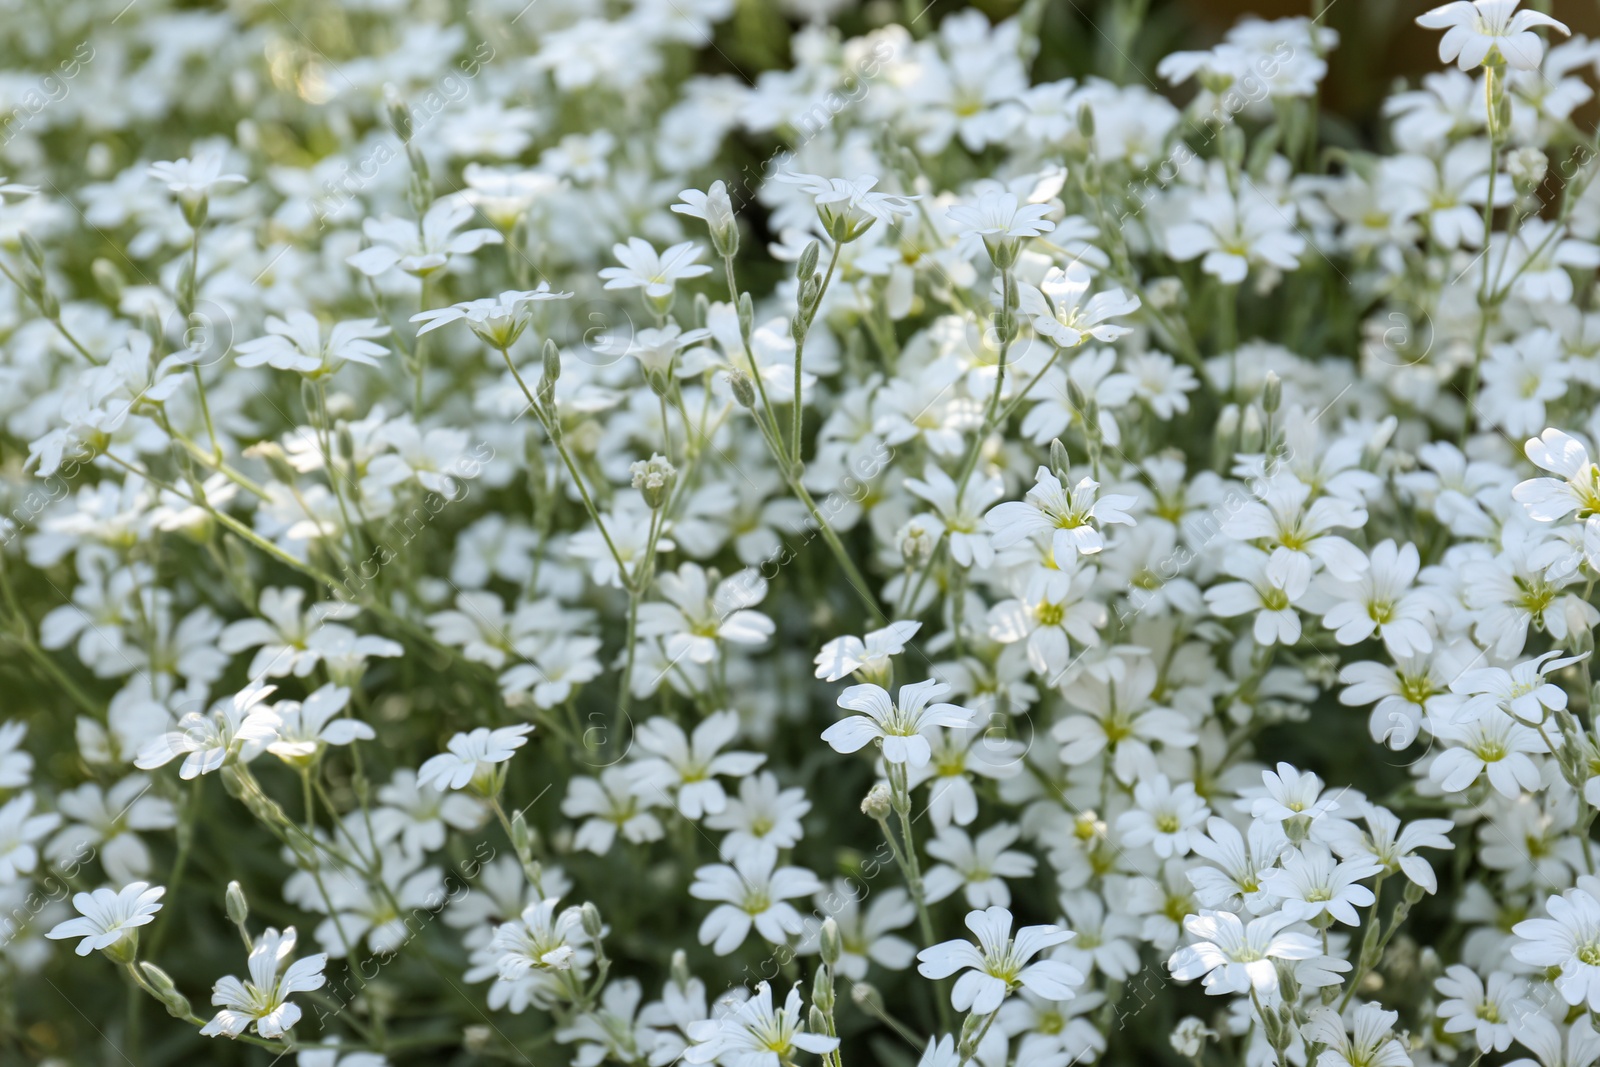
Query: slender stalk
pixel 799 353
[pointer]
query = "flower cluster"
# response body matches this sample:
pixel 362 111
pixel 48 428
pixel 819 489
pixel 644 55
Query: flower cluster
pixel 1036 572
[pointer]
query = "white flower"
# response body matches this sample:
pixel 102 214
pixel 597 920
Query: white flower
pixel 1543 1037
pixel 1236 879
pixel 868 655
pixel 107 916
pixel 1299 535
pixel 715 208
pixel 305 728
pixel 1233 234
pixel 1288 795
pixel 697 619
pixel 1486 742
pixel 762 815
pixel 235 726
pixel 849 208
pixel 1370 1043
pixel 16 765
pixel 540 939
pixel 1166 818
pixel 283 633
pixel 969 545
pixel 193 178
pixel 864 932
pixel 997 965
pixel 1485 1012
pixel 497 320
pixel 472 757
pixel 1270 587
pixel 1521 692
pixel 753 891
pixel 1000 222
pixel 1073 519
pixel 1387 844
pixel 420 249
pixel 1382 601
pixel 1577 488
pixel 613 807
pixel 900 727
pixel 1060 313
pixel 295 343
pixel 1568 939
pixel 1481 29
pixel 420 815
pixel 979 866
pixel 108 821
pixel 755 1034
pixel 657 274
pixel 1236 958
pixel 671 761
pixel 1311 883
pixel 263 998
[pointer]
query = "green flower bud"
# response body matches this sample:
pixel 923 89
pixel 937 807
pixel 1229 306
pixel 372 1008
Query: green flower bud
pixel 832 942
pixel 552 361
pixel 807 266
pixel 176 1003
pixel 237 904
pixel 744 390
pixel 876 805
pixel 1272 393
pixel 822 987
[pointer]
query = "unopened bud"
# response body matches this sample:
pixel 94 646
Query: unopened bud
pixel 867 997
pixel 680 969
pixel 33 250
pixel 591 921
pixel 822 988
pixel 971 1028
pixel 877 805
pixel 552 361
pixel 807 267
pixel 176 1003
pixel 1272 393
pixel 817 1021
pixel 1060 464
pixel 399 113
pixel 186 288
pixel 832 942
pixel 1227 425
pixel 1252 432
pixel 523 837
pixel 747 315
pixel 721 221
pixel 1076 396
pixel 744 390
pixel 1233 146
pixel 237 905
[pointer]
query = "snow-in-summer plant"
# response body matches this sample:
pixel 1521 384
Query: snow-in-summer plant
pixel 655 531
